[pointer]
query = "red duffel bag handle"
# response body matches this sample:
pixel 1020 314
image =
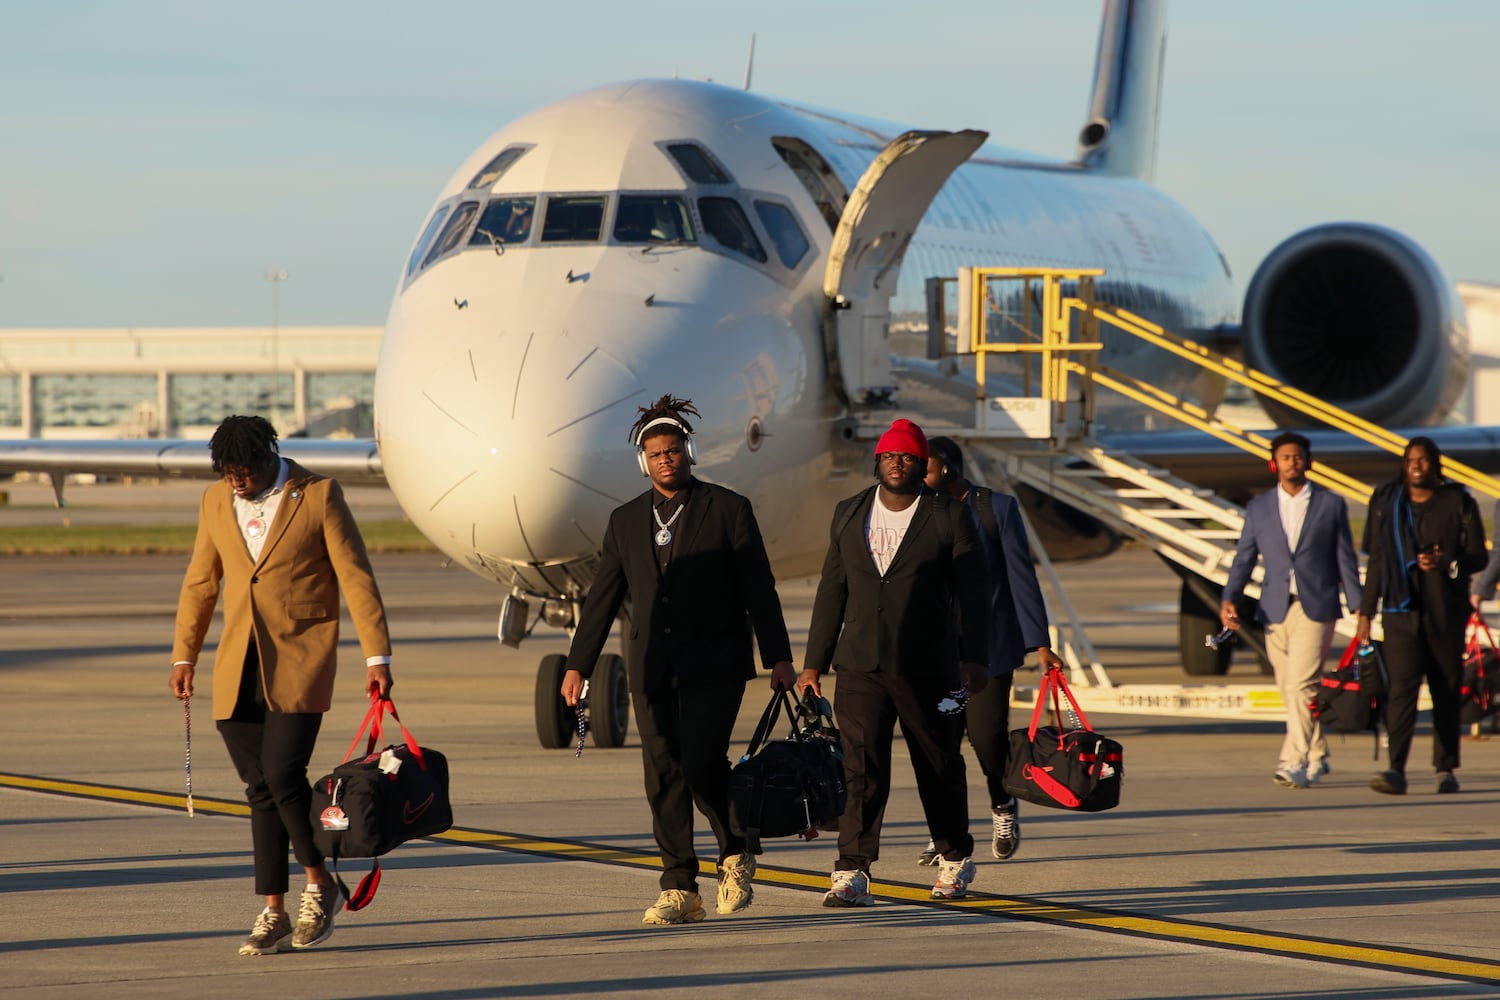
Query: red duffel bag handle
pixel 373 722
pixel 1054 682
pixel 1478 625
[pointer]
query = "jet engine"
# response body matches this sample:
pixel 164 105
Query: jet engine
pixel 1359 316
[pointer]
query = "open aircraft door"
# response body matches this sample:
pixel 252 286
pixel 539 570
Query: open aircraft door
pixel 872 236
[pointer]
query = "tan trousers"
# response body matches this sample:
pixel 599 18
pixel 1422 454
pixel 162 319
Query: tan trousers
pixel 1297 647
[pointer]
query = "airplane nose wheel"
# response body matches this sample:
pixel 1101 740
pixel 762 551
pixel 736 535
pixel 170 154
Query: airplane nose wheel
pixel 609 710
pixel 609 705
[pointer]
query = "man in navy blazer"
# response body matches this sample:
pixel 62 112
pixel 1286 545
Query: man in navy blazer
pixel 1018 625
pixel 1300 531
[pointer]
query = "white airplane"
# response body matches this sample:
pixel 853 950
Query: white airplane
pixel 752 254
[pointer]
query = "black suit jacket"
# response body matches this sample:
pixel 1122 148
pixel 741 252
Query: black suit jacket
pixel 696 619
pixel 929 610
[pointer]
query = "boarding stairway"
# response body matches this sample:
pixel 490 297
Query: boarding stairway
pixel 1044 438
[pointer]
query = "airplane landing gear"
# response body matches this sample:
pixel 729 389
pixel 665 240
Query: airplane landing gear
pixel 608 703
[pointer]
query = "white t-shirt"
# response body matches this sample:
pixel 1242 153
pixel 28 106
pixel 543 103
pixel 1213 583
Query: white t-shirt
pixel 885 530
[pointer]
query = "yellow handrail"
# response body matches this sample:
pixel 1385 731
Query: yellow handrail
pixel 1058 352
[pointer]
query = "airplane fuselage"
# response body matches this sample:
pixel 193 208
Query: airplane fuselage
pixel 511 369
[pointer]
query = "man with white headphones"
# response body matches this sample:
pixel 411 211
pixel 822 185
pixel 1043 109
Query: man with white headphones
pixel 688 555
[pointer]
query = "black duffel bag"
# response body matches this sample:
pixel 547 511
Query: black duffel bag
pixel 366 807
pixel 794 786
pixel 1074 769
pixel 1349 696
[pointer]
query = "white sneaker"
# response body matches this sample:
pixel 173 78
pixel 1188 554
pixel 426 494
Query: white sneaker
pixel 736 891
pixel 1318 772
pixel 850 888
pixel 953 879
pixel 1291 777
pixel 675 906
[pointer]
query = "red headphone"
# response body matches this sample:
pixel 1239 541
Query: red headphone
pixel 1272 464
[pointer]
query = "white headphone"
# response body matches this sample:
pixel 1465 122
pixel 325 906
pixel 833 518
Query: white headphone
pixel 640 446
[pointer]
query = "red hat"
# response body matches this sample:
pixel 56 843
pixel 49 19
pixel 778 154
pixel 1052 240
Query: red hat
pixel 903 436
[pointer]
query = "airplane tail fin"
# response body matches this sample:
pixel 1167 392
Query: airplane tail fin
pixel 1124 109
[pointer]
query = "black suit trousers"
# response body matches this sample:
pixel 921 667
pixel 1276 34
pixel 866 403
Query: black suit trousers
pixel 685 735
pixel 868 704
pixel 271 750
pixel 1415 647
pixel 987 716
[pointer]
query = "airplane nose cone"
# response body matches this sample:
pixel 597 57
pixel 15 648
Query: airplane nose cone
pixel 519 457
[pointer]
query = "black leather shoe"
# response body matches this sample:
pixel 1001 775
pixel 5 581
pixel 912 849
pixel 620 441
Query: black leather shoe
pixel 1447 783
pixel 1389 783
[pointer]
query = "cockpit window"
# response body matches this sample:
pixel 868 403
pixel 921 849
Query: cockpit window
pixel 697 164
pixel 499 165
pixel 725 221
pixel 574 220
pixel 453 232
pixel 653 219
pixel 781 226
pixel 505 219
pixel 426 240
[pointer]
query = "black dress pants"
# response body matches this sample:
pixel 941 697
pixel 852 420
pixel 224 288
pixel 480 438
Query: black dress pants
pixel 868 705
pixel 685 735
pixel 270 751
pixel 987 717
pixel 1416 647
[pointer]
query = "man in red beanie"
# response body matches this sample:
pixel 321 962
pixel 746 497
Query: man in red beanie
pixel 901 614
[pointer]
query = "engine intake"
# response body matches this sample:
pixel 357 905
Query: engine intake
pixel 1359 316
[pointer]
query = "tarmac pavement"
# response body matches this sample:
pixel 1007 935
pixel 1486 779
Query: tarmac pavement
pixel 1208 881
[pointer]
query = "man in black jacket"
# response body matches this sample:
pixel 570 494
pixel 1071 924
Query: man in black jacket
pixel 1425 539
pixel 902 613
pixel 689 557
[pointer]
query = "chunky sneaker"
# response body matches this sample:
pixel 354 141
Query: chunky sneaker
pixel 929 855
pixel 953 879
pixel 1318 771
pixel 676 906
pixel 736 892
pixel 1389 783
pixel 1447 783
pixel 269 935
pixel 315 916
pixel 1007 822
pixel 850 888
pixel 1291 777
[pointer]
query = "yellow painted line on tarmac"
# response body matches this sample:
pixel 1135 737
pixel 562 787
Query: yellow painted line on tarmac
pixel 113 793
pixel 1041 910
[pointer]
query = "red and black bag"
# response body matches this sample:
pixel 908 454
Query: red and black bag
pixel 1349 696
pixel 1074 769
pixel 1479 693
pixel 366 807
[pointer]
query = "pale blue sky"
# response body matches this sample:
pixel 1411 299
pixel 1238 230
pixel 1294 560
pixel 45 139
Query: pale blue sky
pixel 157 157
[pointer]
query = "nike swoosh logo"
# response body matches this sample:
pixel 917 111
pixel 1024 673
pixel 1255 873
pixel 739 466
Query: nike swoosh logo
pixel 410 815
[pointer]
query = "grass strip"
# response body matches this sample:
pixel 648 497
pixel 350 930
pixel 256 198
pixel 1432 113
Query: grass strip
pixel 170 539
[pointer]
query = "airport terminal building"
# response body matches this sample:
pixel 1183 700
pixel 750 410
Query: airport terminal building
pixel 165 382
pixel 179 382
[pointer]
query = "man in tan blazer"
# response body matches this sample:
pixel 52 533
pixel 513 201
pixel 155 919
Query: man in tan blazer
pixel 280 543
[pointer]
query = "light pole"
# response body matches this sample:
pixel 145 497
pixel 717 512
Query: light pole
pixel 276 276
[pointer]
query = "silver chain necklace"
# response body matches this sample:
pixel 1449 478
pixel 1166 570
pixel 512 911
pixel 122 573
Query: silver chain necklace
pixel 664 536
